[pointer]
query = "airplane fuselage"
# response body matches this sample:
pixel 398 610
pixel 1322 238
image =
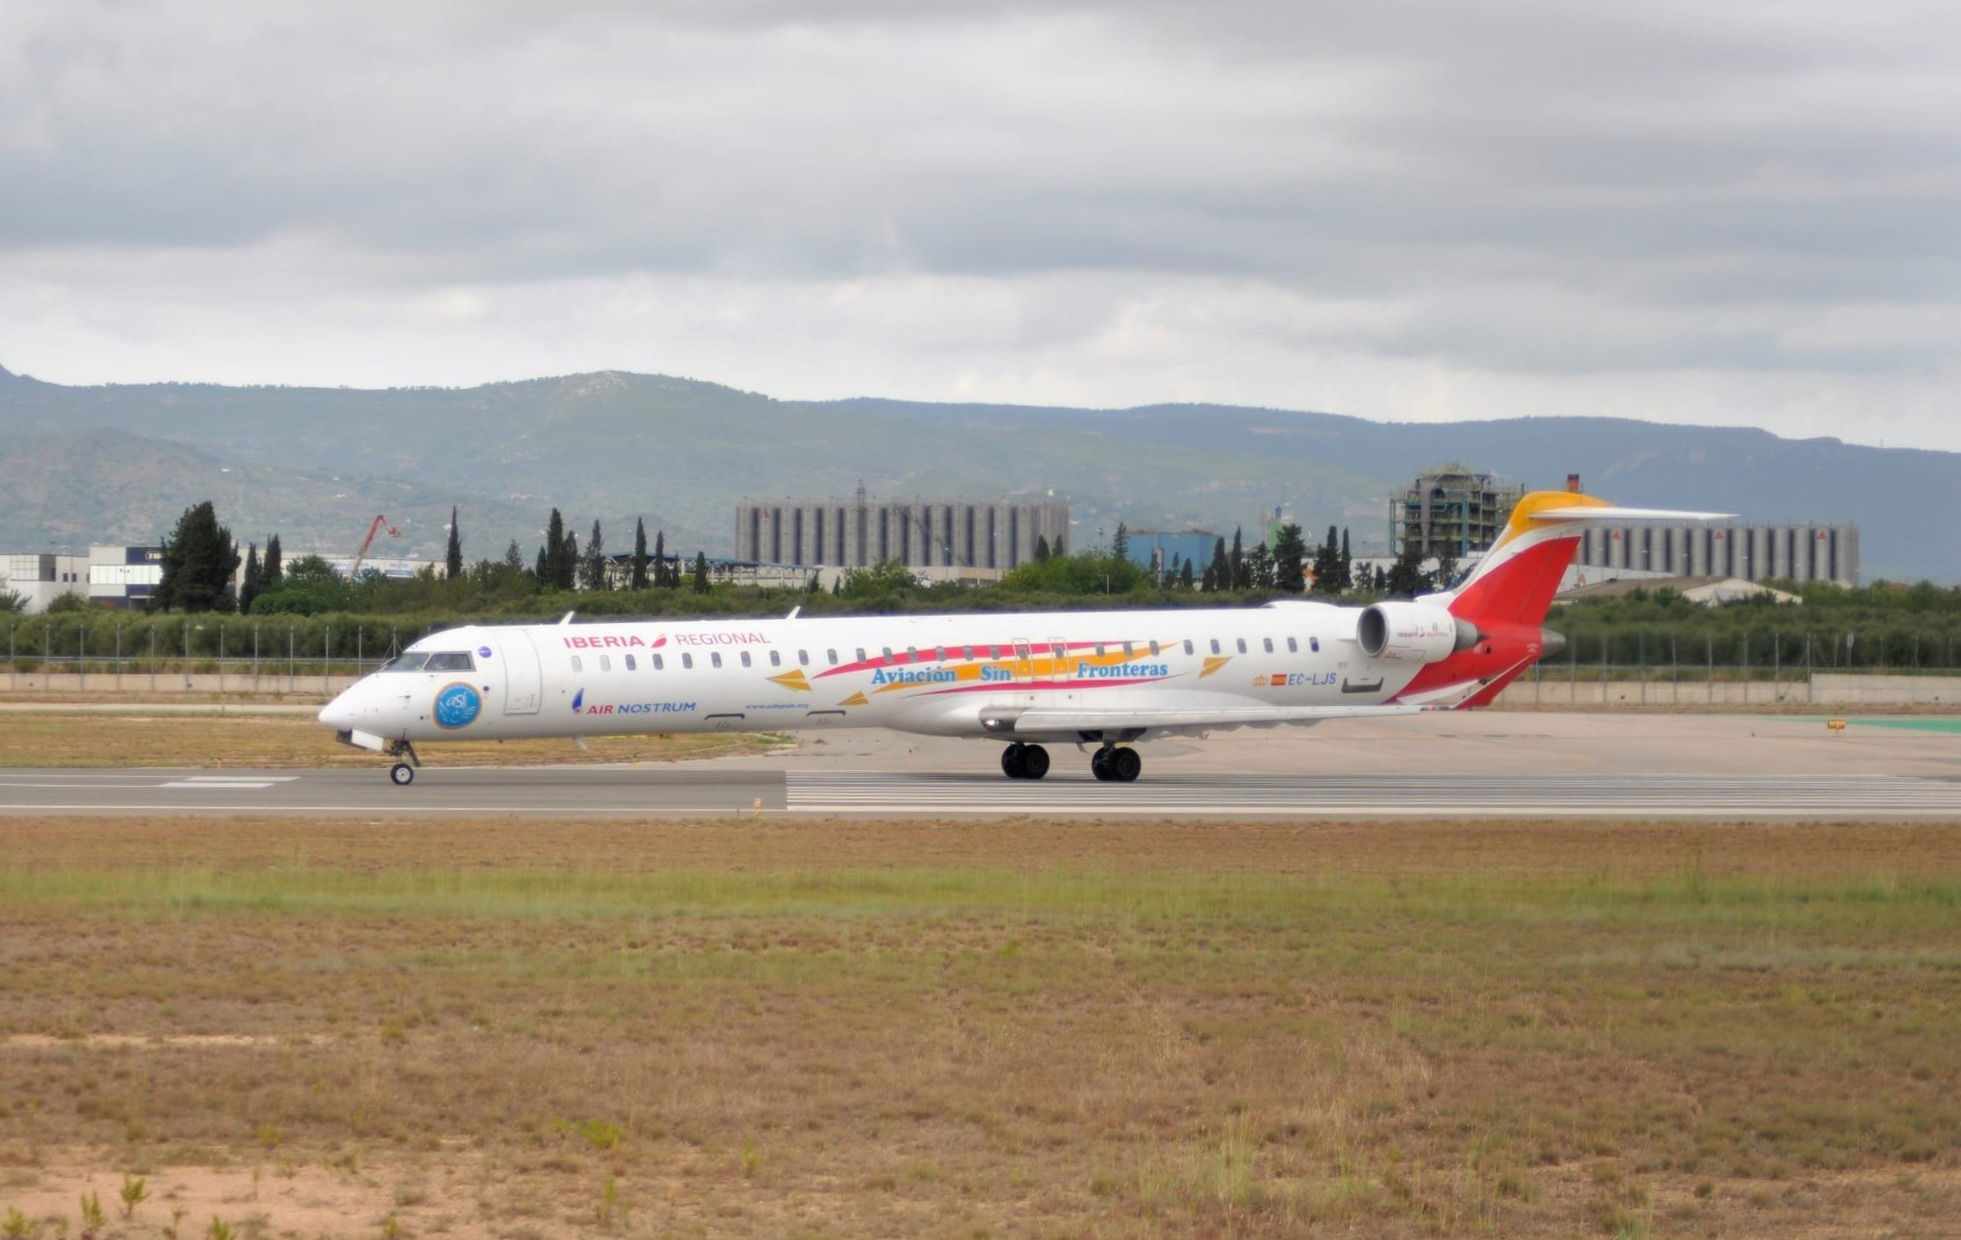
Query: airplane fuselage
pixel 941 675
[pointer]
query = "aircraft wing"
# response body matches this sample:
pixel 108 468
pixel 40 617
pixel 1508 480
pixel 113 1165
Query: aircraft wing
pixel 1052 721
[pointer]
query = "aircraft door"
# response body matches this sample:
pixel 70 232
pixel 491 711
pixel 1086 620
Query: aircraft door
pixel 1024 665
pixel 522 679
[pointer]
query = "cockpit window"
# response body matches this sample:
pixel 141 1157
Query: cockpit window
pixel 410 662
pixel 450 661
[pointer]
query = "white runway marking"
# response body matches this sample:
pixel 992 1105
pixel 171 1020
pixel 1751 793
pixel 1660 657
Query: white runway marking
pixel 227 782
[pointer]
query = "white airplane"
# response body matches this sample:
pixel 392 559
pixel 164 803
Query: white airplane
pixel 1102 678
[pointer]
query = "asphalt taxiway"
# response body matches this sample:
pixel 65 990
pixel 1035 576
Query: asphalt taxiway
pixel 1482 764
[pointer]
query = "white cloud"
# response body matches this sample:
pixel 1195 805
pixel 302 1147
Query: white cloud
pixel 1743 214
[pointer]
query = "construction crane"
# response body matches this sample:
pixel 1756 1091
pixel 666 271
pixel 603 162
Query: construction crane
pixel 379 524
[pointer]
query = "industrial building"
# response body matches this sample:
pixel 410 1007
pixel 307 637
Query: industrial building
pixel 861 534
pixel 1451 511
pixel 1162 551
pixel 1807 552
pixel 108 576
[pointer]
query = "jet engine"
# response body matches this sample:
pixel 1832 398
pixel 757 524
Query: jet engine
pixel 1412 632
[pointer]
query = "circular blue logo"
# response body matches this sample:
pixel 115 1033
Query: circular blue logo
pixel 457 706
pixel 484 651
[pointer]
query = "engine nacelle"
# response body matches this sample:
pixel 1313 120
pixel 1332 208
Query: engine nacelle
pixel 1412 632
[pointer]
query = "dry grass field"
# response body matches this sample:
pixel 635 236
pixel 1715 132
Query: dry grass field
pixel 781 1028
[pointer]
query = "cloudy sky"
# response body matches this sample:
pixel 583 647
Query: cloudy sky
pixel 1736 213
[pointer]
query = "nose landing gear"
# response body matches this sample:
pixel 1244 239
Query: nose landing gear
pixel 403 773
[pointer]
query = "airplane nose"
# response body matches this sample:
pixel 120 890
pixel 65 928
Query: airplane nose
pixel 339 714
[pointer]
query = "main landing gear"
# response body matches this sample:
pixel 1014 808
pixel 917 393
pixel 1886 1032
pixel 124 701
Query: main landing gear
pixel 1019 761
pixel 1116 764
pixel 403 773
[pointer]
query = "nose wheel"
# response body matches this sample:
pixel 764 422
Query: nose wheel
pixel 1019 761
pixel 402 774
pixel 1116 764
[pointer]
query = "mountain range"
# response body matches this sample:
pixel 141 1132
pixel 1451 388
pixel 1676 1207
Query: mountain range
pixel 118 463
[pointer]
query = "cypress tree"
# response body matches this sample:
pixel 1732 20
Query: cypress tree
pixel 1236 567
pixel 1218 574
pixel 1347 562
pixel 272 572
pixel 701 572
pixel 248 586
pixel 639 553
pixel 568 562
pixel 552 553
pixel 662 577
pixel 593 567
pixel 453 558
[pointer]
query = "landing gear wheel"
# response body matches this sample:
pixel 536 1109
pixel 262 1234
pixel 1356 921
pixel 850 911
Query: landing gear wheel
pixel 1019 761
pixel 1034 761
pixel 1124 765
pixel 1099 765
pixel 402 773
pixel 1014 761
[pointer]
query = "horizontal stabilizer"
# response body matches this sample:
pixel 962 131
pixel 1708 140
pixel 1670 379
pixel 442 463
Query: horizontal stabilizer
pixel 1601 514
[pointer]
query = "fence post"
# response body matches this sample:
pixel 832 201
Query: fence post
pixel 221 658
pixel 326 656
pixel 81 654
pixel 153 657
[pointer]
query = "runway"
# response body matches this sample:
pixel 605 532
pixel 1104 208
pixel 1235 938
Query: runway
pixel 654 790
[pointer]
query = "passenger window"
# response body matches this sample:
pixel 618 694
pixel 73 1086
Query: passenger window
pixel 912 655
pixel 714 658
pixel 578 664
pixel 861 654
pixel 1292 646
pixel 1188 646
pixel 803 658
pixel 1215 645
pixel 631 666
pixel 970 652
pixel 605 662
pixel 745 658
pixel 1021 650
pixel 1242 645
pixel 660 664
pixel 1267 643
pixel 832 655
pixel 1057 649
pixel 1099 650
pixel 887 652
pixel 775 659
pixel 1126 650
pixel 1154 650
pixel 687 661
pixel 1314 644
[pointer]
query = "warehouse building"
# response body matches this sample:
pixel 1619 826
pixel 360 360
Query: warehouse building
pixel 1808 552
pixel 861 534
